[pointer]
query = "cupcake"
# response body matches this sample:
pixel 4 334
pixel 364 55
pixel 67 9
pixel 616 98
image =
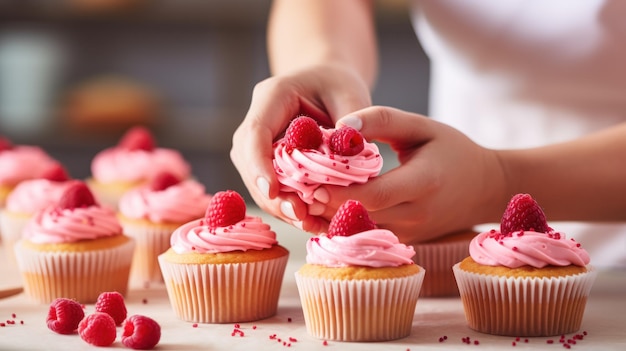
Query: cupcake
pixel 75 249
pixel 18 163
pixel 525 279
pixel 29 197
pixel 437 257
pixel 359 283
pixel 134 161
pixel 152 212
pixel 226 267
pixel 310 155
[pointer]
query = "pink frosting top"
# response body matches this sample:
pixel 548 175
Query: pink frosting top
pixel 372 248
pixel 249 234
pixel 33 195
pixel 119 164
pixel 54 225
pixel 526 248
pixel 178 203
pixel 23 162
pixel 303 171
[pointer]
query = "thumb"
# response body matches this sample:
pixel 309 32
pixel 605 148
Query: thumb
pixel 390 125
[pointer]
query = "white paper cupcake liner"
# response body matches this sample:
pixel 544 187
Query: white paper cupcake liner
pixel 524 306
pixel 11 227
pixel 438 259
pixel 224 293
pixel 78 275
pixel 150 242
pixel 359 310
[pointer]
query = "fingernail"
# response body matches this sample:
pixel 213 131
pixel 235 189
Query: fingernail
pixel 316 209
pixel 298 224
pixel 321 195
pixel 264 186
pixel 351 121
pixel 287 210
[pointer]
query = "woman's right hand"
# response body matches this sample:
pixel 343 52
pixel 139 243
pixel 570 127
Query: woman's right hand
pixel 324 92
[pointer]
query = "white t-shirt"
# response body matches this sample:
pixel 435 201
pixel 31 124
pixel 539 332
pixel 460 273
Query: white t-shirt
pixel 523 73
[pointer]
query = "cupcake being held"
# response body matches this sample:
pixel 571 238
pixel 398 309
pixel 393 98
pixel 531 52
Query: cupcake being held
pixel 309 156
pixel 75 249
pixel 29 197
pixel 525 279
pixel 359 283
pixel 134 161
pixel 152 212
pixel 226 267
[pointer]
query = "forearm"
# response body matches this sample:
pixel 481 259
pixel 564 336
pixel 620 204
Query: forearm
pixel 583 179
pixel 304 33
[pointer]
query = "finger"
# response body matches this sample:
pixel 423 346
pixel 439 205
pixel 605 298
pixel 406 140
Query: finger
pixel 274 104
pixel 390 125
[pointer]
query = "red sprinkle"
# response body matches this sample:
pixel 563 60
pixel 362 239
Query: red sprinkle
pixel 195 325
pixel 550 341
pixel 289 319
pixel 325 343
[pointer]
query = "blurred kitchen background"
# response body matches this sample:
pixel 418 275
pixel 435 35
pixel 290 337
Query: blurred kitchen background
pixel 75 74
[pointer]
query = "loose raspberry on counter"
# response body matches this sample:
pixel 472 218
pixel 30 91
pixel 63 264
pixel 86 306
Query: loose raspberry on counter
pixel 141 332
pixel 98 329
pixel 113 304
pixel 64 316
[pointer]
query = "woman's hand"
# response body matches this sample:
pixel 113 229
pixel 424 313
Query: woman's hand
pixel 444 183
pixel 323 92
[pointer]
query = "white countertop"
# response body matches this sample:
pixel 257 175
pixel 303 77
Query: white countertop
pixel 604 320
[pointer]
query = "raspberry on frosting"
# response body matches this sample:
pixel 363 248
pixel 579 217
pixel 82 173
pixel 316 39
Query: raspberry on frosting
pixel 355 241
pixel 525 239
pixel 345 160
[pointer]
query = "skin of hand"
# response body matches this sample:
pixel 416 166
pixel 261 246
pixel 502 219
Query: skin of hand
pixel 322 92
pixel 445 182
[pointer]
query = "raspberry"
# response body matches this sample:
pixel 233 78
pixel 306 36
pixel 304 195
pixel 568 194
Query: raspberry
pixel 226 208
pixel 98 329
pixel 5 144
pixel 523 213
pixel 55 173
pixel 303 133
pixel 76 195
pixel 346 141
pixel 163 181
pixel 351 218
pixel 112 303
pixel 64 316
pixel 137 138
pixel 141 332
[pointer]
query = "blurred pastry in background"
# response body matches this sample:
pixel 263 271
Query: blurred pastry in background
pixel 18 163
pixel 110 104
pixel 134 161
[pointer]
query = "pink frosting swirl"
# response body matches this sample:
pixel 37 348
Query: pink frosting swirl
pixel 119 164
pixel 23 162
pixel 178 203
pixel 30 196
pixel 372 248
pixel 249 234
pixel 53 225
pixel 303 171
pixel 526 248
